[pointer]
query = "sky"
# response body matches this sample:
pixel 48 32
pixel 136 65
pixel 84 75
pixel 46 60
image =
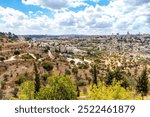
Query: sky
pixel 89 17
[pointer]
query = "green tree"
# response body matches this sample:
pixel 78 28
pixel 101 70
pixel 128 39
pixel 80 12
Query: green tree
pixel 20 80
pixel 78 91
pixel 117 75
pixel 67 72
pixel 111 92
pixel 59 88
pixel 72 62
pixel 26 90
pixel 37 79
pixel 75 71
pixel 109 77
pixel 16 52
pixel 2 58
pixel 95 75
pixel 142 84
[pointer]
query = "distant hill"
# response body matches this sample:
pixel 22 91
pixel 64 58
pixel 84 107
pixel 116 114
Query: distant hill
pixel 4 37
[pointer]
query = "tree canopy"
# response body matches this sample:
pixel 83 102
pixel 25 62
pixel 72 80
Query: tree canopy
pixel 111 92
pixel 58 88
pixel 26 91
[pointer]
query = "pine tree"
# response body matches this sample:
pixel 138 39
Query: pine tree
pixel 37 79
pixel 95 75
pixel 78 91
pixel 109 77
pixel 142 84
pixel 117 75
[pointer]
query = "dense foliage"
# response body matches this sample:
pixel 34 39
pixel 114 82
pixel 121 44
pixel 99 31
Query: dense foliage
pixel 142 83
pixel 59 88
pixel 111 92
pixel 117 75
pixel 26 91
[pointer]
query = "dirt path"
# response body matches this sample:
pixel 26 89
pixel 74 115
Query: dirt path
pixel 50 55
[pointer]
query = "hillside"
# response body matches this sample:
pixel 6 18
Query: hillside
pixel 18 58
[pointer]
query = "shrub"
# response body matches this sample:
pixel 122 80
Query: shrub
pixel 111 92
pixel 19 81
pixel 2 58
pixel 67 72
pixel 16 52
pixel 48 66
pixel 142 83
pixel 26 91
pixel 26 56
pixel 75 71
pixel 72 62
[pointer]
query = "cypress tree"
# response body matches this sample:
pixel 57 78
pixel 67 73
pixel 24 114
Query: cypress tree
pixel 95 75
pixel 37 79
pixel 109 77
pixel 78 91
pixel 142 84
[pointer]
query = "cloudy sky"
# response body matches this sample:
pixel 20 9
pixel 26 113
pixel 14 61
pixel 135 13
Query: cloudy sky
pixel 74 16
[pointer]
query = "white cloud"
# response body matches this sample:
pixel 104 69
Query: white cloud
pixel 118 16
pixel 55 4
pixel 95 1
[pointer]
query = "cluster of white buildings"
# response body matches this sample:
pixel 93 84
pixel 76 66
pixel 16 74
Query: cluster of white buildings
pixel 130 43
pixel 58 46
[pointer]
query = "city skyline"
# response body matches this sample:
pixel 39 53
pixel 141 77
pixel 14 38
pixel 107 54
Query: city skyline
pixel 88 17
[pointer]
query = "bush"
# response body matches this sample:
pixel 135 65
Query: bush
pixel 26 91
pixel 75 71
pixel 83 65
pixel 16 52
pixel 72 62
pixel 26 56
pixel 2 58
pixel 48 66
pixel 67 72
pixel 19 81
pixel 111 92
